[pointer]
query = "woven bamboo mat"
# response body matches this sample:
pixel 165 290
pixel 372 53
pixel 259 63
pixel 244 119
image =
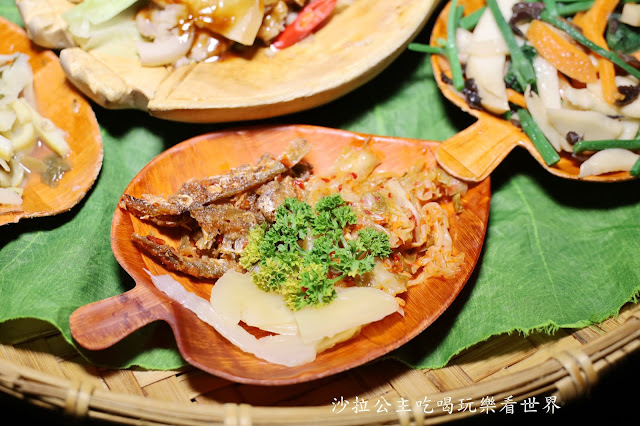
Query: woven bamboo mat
pixel 39 366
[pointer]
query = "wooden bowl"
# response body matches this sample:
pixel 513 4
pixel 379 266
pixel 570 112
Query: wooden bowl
pixel 356 44
pixel 103 323
pixel 476 151
pixel 60 102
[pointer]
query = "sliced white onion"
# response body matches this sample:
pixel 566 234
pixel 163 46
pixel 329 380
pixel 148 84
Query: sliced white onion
pixel 164 51
pixel 608 160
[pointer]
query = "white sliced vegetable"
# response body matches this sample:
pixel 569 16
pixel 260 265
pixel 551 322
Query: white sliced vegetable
pixel 22 137
pixel 631 14
pixel 278 349
pixel 539 114
pixel 488 74
pixel 7 118
pixel 629 129
pixel 547 82
pixel 468 46
pixel 608 160
pixel 487 33
pixel 17 175
pixel 166 50
pixel 463 41
pixel 8 196
pixel 15 76
pixel 53 136
pixel 236 297
pixel 24 111
pixel 246 17
pixel 591 125
pixel 588 99
pixel 354 306
pixel 6 148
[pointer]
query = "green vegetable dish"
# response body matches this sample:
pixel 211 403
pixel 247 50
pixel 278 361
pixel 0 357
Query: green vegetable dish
pixel 567 72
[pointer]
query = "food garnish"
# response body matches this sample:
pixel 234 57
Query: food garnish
pixel 281 265
pixel 29 142
pixel 177 32
pixel 309 259
pixel 564 71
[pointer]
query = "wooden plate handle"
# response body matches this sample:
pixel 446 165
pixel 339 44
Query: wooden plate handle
pixel 103 323
pixel 475 152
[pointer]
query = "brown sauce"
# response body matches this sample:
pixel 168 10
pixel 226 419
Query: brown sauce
pixel 217 16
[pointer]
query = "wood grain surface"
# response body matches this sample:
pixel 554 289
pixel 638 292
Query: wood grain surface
pixel 103 323
pixel 59 101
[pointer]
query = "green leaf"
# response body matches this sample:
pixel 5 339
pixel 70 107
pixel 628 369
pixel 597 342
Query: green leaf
pixel 558 253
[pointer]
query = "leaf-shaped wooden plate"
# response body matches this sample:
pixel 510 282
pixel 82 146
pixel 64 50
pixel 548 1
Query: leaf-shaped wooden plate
pixel 360 39
pixel 60 102
pixel 103 323
pixel 476 151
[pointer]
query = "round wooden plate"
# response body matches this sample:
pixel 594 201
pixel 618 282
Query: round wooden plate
pixel 60 102
pixel 360 39
pixel 103 323
pixel 476 151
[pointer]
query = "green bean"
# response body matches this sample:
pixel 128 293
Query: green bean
pixel 529 126
pixel 425 48
pixel 523 69
pixel 574 7
pixel 599 145
pixel 635 169
pixel 470 21
pixel 551 6
pixel 452 48
pixel 577 36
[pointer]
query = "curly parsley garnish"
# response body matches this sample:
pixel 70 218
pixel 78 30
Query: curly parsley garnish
pixel 307 277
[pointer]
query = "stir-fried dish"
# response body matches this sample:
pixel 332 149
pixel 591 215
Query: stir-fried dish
pixel 567 72
pixel 308 258
pixel 177 32
pixel 28 142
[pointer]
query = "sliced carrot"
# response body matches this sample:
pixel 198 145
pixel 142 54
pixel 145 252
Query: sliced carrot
pixel 516 98
pixel 607 74
pixel 593 24
pixel 471 6
pixel 596 19
pixel 565 55
pixel 578 19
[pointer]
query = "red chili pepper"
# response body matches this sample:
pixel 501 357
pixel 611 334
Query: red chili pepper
pixel 309 18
